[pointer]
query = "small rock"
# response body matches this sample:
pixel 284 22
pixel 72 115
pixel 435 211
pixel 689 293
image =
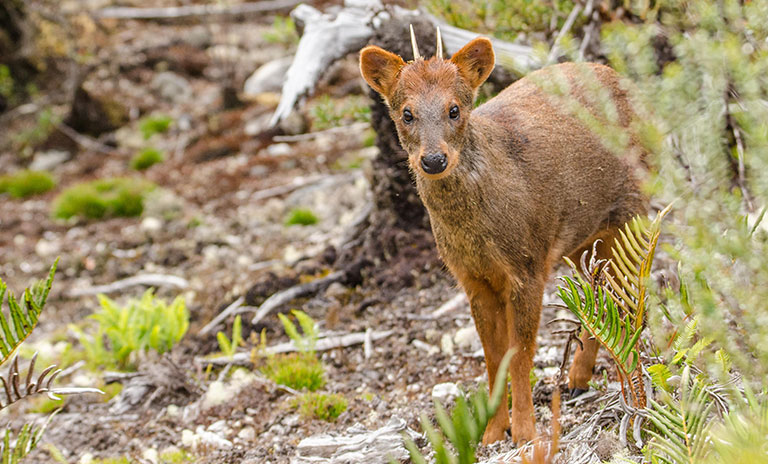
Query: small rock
pixel 151 224
pixel 172 410
pixel 151 455
pixel 293 124
pixel 47 160
pixel 247 434
pixel 446 344
pixel 45 248
pixel 291 420
pixel 336 290
pixel 189 439
pixel 279 149
pixel 467 338
pixel 258 125
pixel 171 86
pixel 445 392
pixel 268 78
pixel 212 439
pixel 86 458
pixel 219 426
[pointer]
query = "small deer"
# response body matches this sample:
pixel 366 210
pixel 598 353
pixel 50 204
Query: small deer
pixel 511 187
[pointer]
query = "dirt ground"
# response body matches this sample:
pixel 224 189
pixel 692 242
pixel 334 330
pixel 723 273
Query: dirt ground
pixel 211 224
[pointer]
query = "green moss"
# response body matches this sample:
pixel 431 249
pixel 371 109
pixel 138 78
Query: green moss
pixel 283 31
pixel 152 125
pixel 147 158
pixel 301 371
pixel 116 197
pixel 24 184
pixel 301 216
pixel 176 457
pixel 322 406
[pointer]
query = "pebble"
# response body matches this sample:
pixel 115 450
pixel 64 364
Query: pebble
pixel 446 344
pixel 247 434
pixel 467 338
pixel 445 392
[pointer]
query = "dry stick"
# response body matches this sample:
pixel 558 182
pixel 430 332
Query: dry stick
pixel 152 280
pixel 282 297
pixel 85 141
pixel 232 308
pixel 323 344
pixel 566 27
pixel 189 11
pixel 295 184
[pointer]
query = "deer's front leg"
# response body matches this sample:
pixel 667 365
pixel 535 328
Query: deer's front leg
pixel 523 313
pixel 488 311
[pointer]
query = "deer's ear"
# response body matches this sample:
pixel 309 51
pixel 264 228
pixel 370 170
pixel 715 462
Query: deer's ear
pixel 380 68
pixel 475 61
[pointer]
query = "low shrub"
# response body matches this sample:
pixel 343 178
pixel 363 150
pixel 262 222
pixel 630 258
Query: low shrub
pixel 23 184
pixel 102 198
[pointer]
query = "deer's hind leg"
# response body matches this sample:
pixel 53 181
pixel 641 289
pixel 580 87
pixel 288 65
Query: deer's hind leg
pixel 585 355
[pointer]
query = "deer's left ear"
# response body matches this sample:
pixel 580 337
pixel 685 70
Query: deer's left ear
pixel 380 69
pixel 475 61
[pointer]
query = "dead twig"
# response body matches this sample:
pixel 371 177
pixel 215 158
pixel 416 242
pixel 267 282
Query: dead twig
pixel 553 54
pixel 231 309
pixel 356 127
pixel 151 280
pixel 280 298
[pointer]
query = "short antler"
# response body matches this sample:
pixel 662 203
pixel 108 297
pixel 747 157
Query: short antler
pixel 439 52
pixel 416 55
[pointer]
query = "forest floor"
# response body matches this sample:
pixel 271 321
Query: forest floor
pixel 217 221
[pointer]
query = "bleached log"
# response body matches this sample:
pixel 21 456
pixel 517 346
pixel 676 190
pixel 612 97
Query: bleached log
pixel 328 38
pixel 190 11
pixel 356 445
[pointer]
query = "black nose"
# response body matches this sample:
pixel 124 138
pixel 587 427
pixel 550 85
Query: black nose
pixel 434 163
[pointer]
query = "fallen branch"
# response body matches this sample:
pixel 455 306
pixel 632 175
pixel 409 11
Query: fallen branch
pixel 84 141
pixel 189 11
pixel 151 280
pixel 223 315
pixel 323 344
pixel 459 300
pixel 280 298
pixel 356 127
pixel 295 184
pixel 554 53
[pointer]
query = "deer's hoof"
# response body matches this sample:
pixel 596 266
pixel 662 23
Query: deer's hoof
pixel 576 392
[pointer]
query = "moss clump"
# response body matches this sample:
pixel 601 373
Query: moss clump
pixel 300 371
pixel 321 405
pixel 116 197
pixel 24 184
pixel 301 216
pixel 147 158
pixel 155 125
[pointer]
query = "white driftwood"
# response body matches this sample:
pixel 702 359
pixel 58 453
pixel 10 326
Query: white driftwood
pixel 280 298
pixel 152 280
pixel 459 300
pixel 328 38
pixel 189 11
pixel 356 445
pixel 323 344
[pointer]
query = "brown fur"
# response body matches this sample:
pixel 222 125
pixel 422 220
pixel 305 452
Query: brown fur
pixel 526 183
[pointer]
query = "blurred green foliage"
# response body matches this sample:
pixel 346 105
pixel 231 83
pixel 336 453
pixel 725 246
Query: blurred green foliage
pixel 23 184
pixel 283 31
pixel 147 158
pixel 323 406
pixel 102 198
pixel 156 124
pixel 144 324
pixel 326 112
pixel 301 216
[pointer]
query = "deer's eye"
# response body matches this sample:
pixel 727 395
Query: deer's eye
pixel 407 116
pixel 454 112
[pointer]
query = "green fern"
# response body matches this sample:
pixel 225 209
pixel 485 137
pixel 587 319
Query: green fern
pixel 682 432
pixel 24 316
pixel 304 343
pixel 600 316
pixel 227 346
pixel 631 265
pixel 12 451
pixel 465 426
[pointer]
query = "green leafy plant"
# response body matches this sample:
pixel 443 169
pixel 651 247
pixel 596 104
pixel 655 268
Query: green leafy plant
pixel 24 316
pixel 24 184
pixel 283 31
pixel 227 346
pixel 323 406
pixel 144 324
pixel 156 124
pixel 301 216
pixel 302 370
pixel 147 158
pixel 115 197
pixel 464 428
pixel 327 112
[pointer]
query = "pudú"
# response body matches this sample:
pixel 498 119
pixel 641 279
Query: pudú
pixel 511 187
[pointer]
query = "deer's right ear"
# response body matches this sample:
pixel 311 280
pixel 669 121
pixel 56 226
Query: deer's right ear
pixel 380 69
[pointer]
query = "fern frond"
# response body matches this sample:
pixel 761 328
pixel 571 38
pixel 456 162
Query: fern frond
pixel 682 426
pixel 600 316
pixel 633 253
pixel 13 451
pixel 24 316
